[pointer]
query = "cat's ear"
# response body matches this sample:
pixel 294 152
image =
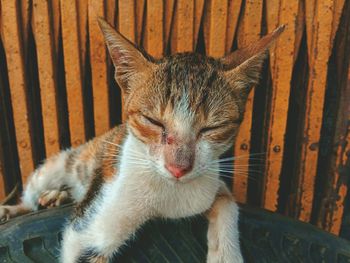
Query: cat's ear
pixel 132 67
pixel 243 67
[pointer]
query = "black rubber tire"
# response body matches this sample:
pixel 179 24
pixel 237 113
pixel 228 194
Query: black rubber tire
pixel 265 237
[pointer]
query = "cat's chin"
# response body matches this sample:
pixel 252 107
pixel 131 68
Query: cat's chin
pixel 182 180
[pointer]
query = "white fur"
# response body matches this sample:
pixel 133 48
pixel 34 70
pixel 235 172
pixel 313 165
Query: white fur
pixel 46 177
pixel 223 235
pixel 140 193
pixel 52 176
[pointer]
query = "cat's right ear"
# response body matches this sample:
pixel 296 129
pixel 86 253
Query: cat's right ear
pixel 131 66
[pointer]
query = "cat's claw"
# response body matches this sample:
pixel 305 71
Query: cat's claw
pixel 53 198
pixel 4 214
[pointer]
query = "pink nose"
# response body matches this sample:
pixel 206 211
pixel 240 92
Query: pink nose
pixel 177 171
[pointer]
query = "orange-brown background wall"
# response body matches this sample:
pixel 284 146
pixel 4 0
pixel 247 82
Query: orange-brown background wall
pixel 57 88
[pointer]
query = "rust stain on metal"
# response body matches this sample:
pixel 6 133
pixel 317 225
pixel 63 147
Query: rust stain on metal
pixel 234 8
pixel 272 10
pixel 153 35
pixel 248 31
pixel 98 58
pixel 110 8
pixel 140 8
pixel 16 72
pixel 169 8
pixel 334 216
pixel 319 34
pixel 127 19
pixel 127 26
pixel 82 7
pixel 337 11
pixel 73 70
pixel 282 61
pixel 310 6
pixel 183 27
pixel 46 54
pixel 299 28
pixel 25 12
pixel 55 13
pixel 331 215
pixel 215 22
pixel 198 12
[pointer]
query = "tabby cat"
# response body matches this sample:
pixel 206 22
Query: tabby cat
pixel 182 113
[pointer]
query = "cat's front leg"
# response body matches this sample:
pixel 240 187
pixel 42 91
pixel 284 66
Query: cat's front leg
pixel 98 235
pixel 76 248
pixel 223 235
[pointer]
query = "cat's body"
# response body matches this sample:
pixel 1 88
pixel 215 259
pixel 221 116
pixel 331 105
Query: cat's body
pixel 131 198
pixel 182 112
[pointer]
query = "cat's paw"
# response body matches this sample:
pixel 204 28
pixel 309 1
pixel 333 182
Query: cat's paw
pixel 221 250
pixel 53 198
pixel 219 256
pixel 4 213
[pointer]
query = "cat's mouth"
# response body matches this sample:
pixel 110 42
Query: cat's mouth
pixel 182 180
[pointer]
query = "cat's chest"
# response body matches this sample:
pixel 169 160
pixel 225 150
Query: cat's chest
pixel 185 200
pixel 169 199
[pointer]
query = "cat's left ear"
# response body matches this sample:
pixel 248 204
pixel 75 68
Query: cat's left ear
pixel 131 66
pixel 242 68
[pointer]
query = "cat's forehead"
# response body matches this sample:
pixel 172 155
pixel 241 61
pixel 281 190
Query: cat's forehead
pixel 190 84
pixel 188 74
pixel 188 64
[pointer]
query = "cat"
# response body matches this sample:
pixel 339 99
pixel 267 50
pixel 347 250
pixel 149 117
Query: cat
pixel 182 113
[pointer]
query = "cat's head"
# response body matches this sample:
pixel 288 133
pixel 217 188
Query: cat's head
pixel 186 109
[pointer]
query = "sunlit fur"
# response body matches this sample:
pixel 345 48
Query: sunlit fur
pixel 183 112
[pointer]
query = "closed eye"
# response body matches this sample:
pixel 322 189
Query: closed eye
pixel 154 122
pixel 219 126
pixel 209 129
